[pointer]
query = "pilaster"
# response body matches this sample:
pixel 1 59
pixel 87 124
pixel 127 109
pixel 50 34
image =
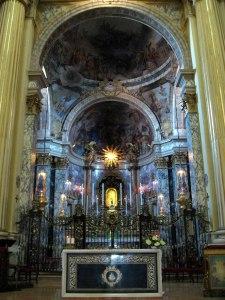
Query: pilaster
pixel 28 154
pixel 12 15
pixel 162 178
pixel 210 26
pixel 197 178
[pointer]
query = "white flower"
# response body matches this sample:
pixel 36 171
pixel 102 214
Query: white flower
pixel 154 238
pixel 162 242
pixel 157 244
pixel 148 242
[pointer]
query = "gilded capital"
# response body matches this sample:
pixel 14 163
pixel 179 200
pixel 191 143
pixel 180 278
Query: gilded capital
pixel 180 158
pixel 190 102
pixel 161 162
pixel 61 162
pixel 33 104
pixel 43 159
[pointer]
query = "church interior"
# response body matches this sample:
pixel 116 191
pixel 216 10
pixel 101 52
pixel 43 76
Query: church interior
pixel 112 144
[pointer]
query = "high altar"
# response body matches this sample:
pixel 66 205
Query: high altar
pixel 112 273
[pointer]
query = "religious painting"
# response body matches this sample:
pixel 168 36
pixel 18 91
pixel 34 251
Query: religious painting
pixel 111 197
pixel 111 124
pixel 106 48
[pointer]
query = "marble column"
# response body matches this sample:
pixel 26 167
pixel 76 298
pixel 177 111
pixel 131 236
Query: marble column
pixel 61 164
pixel 12 15
pixel 28 154
pixel 43 164
pixel 18 131
pixel 180 176
pixel 56 234
pixel 202 111
pixel 87 187
pixel 163 184
pixel 134 181
pixel 210 25
pixel 197 177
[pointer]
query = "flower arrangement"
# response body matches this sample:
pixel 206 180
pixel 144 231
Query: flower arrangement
pixel 154 241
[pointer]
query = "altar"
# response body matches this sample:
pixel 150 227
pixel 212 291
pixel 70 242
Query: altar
pixel 112 273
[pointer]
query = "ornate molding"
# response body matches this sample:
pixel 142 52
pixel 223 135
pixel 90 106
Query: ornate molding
pixel 61 162
pixel 186 81
pixel 33 104
pixel 190 102
pixel 159 16
pixel 161 162
pixel 43 159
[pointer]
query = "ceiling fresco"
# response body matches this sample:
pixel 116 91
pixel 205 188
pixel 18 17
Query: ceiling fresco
pixel 105 49
pixel 111 124
pixel 160 101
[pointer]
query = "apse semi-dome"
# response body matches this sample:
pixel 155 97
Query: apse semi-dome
pixel 112 124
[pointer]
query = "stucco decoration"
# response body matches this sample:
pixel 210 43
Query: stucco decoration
pixel 55 19
pixel 111 124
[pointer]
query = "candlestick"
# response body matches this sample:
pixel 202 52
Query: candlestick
pixel 121 195
pixel 82 194
pixel 103 194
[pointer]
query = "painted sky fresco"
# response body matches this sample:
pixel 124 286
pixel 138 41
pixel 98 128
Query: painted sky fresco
pixel 105 49
pixel 111 124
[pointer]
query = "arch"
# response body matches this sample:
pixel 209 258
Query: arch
pixel 62 20
pixel 122 97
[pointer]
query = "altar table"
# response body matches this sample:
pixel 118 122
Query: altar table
pixel 112 273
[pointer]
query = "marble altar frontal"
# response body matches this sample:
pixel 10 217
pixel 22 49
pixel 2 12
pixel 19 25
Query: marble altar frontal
pixel 116 272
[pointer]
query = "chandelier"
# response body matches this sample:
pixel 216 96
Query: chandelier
pixel 111 156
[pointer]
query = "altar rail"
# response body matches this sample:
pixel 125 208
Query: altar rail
pixel 41 242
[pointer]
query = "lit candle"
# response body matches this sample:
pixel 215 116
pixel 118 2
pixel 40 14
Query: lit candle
pixel 121 195
pixel 82 194
pixel 103 194
pixel 93 194
pixel 141 196
pixel 130 193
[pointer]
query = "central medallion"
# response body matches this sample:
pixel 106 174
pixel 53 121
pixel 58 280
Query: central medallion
pixel 111 276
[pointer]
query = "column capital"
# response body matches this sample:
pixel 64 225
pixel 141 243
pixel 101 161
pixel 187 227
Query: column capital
pixel 37 81
pixel 180 158
pixel 43 159
pixel 61 162
pixel 33 104
pixel 190 102
pixel 161 162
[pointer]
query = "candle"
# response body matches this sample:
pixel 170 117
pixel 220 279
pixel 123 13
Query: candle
pixel 121 195
pixel 82 194
pixel 103 194
pixel 72 240
pixel 130 193
pixel 93 194
pixel 141 196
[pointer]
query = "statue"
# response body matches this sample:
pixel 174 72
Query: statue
pixel 90 153
pixel 132 152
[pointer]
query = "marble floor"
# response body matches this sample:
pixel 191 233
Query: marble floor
pixel 49 289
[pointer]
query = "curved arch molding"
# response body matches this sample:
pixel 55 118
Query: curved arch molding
pixel 121 97
pixel 58 19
